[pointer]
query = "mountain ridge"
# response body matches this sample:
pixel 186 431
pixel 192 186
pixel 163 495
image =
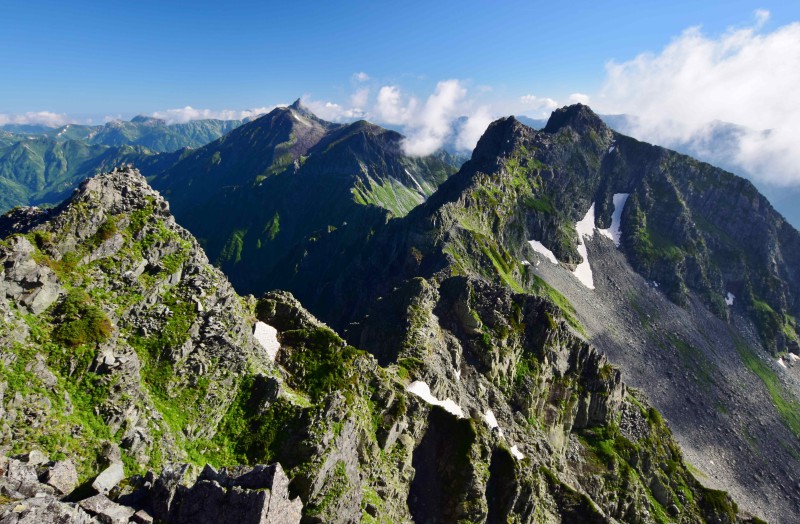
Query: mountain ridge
pixel 357 440
pixel 521 186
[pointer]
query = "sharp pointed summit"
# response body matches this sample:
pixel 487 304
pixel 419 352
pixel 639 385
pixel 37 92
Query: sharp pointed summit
pixel 576 116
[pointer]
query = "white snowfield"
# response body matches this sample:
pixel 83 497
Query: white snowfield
pixel 542 250
pixel 423 391
pixel 491 421
pixel 730 298
pixel 615 231
pixel 585 229
pixel 415 181
pixel 267 336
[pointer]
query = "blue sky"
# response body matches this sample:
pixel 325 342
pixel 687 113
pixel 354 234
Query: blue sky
pixel 91 59
pixel 677 67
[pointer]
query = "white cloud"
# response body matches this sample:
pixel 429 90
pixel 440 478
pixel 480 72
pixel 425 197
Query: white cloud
pixel 743 76
pixel 360 98
pixel 188 113
pixel 579 98
pixel 434 124
pixel 762 16
pixel 332 111
pixel 360 76
pixel 390 107
pixel 536 103
pixel 473 129
pixel 44 118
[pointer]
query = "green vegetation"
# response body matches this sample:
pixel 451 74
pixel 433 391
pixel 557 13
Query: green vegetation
pixel 649 245
pixel 785 403
pixel 321 361
pixel 250 432
pixel 81 322
pixel 335 486
pixel 542 289
pixel 273 227
pixel 388 193
pixel 232 251
pixel 542 204
pixel 701 367
pixel 717 503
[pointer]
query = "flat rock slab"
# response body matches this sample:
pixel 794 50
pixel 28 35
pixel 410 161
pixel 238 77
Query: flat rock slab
pixel 62 476
pixel 106 510
pixel 109 478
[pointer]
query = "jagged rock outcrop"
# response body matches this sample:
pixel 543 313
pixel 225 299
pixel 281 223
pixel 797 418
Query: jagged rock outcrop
pixel 257 495
pixel 113 316
pixel 254 196
pixel 460 400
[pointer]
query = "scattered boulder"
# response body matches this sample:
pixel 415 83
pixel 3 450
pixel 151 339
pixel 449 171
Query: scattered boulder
pixel 21 471
pixel 106 510
pixel 109 478
pixel 34 458
pixel 62 475
pixel 258 495
pixel 44 510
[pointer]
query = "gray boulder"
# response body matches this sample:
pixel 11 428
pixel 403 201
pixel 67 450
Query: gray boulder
pixel 62 476
pixel 106 510
pixel 44 510
pixel 109 478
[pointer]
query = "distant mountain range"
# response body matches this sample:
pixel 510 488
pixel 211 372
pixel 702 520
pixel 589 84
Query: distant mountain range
pixel 41 165
pixel 475 312
pixel 151 133
pixel 288 177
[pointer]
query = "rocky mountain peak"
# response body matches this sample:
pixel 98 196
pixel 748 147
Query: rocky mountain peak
pixel 500 138
pixel 121 190
pixel 577 116
pixel 144 119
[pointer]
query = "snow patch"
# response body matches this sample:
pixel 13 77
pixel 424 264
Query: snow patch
pixel 611 149
pixel 267 336
pixel 517 453
pixel 585 229
pixel 491 421
pixel 301 119
pixel 781 363
pixel 793 357
pixel 415 182
pixel 423 391
pixel 730 298
pixel 615 231
pixel 542 250
pixel 525 263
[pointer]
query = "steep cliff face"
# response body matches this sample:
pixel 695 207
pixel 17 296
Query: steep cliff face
pixel 116 327
pixel 530 202
pixel 462 400
pixel 687 225
pixel 253 197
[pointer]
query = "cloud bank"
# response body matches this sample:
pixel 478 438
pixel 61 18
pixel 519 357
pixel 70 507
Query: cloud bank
pixel 446 118
pixel 689 91
pixel 44 118
pixel 188 113
pixel 540 104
